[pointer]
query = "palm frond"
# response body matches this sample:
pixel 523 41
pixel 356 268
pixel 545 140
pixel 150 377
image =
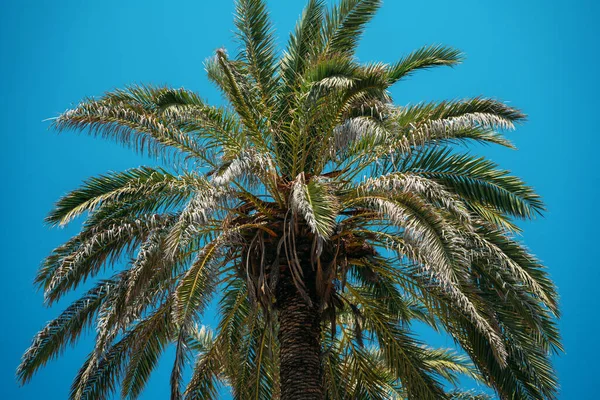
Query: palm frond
pixel 121 116
pixel 256 33
pixel 144 356
pixel 424 58
pixel 233 81
pixel 84 256
pixel 316 204
pixel 346 22
pixel 208 366
pixel 99 376
pixel 303 44
pixel 64 330
pixel 477 180
pixel 117 186
pixel 192 295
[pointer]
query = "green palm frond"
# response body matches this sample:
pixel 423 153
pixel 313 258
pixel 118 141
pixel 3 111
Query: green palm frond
pixel 232 77
pixel 84 256
pixel 303 45
pixel 208 366
pixel 192 295
pixel 120 186
pixel 424 58
pixel 346 22
pixel 64 330
pixel 256 33
pixel 477 180
pixel 478 111
pixel 144 358
pixel 98 377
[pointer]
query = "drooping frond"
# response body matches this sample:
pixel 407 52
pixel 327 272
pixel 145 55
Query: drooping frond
pixel 476 180
pixel 98 377
pixel 207 368
pixel 192 295
pixel 316 204
pixel 195 287
pixel 120 186
pixel 144 358
pixel 85 255
pixel 434 244
pixel 64 330
pixel 123 117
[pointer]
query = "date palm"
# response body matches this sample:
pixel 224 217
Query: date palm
pixel 324 216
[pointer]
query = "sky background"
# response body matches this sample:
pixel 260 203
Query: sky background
pixel 542 56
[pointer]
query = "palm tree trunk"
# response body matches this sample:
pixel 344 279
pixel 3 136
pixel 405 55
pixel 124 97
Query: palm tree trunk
pixel 301 373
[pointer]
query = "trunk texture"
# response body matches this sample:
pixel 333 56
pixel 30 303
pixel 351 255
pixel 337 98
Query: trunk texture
pixel 301 371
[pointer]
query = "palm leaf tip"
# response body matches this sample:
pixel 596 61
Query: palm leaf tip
pixel 346 22
pixel 424 58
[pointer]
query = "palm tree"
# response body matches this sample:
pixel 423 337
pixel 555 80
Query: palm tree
pixel 326 218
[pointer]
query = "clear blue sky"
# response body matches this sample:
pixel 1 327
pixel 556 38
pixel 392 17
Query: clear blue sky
pixel 541 56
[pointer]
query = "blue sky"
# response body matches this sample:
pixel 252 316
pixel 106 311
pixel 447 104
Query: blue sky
pixel 542 56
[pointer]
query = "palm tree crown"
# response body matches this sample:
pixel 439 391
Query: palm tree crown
pixel 322 215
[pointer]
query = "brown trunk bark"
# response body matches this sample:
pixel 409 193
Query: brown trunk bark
pixel 301 372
